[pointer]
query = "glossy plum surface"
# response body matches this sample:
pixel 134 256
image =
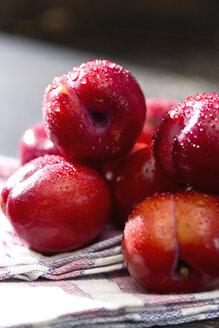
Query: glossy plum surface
pixel 55 206
pixel 139 177
pixel 110 170
pixel 170 243
pixel 186 144
pixel 95 112
pixel 35 143
pixel 157 108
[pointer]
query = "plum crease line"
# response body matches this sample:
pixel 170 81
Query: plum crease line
pixel 175 239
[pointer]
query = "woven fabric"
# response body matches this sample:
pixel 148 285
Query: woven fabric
pixel 87 288
pixel 17 261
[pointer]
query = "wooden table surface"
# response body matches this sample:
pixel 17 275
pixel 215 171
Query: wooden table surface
pixel 27 67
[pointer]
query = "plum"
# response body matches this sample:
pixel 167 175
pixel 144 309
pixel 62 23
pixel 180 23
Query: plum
pixel 139 176
pixel 35 143
pixel 56 206
pixel 186 144
pixel 95 112
pixel 170 242
pixel 157 108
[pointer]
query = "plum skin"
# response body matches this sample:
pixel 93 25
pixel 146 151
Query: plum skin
pixel 35 143
pixel 94 112
pixel 157 108
pixel 139 177
pixel 55 206
pixel 186 143
pixel 170 243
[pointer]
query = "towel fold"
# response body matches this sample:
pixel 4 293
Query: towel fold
pixel 17 261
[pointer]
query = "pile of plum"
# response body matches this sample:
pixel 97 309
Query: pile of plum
pixel 104 153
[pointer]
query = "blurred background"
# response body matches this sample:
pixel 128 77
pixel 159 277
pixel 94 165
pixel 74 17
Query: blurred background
pixel 171 47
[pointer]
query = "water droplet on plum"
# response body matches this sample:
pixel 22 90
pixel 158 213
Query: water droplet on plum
pixel 215 105
pixel 111 65
pixel 84 80
pixel 74 75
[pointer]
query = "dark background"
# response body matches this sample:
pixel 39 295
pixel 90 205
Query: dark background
pixel 172 48
pixel 151 31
